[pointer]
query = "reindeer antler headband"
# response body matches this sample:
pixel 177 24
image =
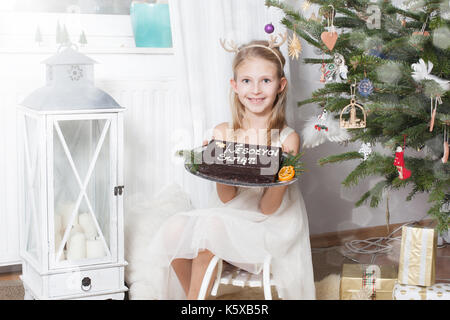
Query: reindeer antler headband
pixel 231 46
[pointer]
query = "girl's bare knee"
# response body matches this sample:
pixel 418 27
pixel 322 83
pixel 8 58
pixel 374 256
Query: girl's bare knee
pixel 205 255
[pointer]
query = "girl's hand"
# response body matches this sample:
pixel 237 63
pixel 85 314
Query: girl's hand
pixel 205 142
pixel 286 149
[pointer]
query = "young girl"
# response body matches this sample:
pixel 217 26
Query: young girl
pixel 243 225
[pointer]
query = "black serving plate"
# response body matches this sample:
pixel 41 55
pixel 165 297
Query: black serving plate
pixel 188 167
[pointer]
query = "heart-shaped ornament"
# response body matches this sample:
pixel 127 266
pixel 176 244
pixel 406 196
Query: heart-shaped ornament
pixel 329 38
pixel 419 33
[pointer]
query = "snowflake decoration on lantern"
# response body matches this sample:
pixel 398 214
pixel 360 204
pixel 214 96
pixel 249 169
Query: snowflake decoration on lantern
pixel 75 73
pixel 365 150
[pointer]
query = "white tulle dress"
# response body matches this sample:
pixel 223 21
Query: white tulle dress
pixel 241 235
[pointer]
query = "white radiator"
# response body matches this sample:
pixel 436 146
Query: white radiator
pixel 151 118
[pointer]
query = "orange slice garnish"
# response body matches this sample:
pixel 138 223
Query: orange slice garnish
pixel 286 173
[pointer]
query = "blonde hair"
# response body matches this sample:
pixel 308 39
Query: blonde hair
pixel 277 118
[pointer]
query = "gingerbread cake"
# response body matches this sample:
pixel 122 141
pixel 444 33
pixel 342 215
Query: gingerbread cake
pixel 241 162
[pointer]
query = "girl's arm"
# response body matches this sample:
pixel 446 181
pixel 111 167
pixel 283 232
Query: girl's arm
pixel 272 197
pixel 225 192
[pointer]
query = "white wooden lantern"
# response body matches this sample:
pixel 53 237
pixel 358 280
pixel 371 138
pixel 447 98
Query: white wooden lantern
pixel 71 135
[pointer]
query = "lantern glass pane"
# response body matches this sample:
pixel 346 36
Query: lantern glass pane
pixel 82 189
pixel 32 194
pixel 99 186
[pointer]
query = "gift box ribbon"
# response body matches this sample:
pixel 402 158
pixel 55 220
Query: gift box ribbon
pixel 417 256
pixel 362 281
pixel 369 281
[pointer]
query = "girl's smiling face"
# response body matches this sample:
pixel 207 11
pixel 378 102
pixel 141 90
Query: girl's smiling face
pixel 257 85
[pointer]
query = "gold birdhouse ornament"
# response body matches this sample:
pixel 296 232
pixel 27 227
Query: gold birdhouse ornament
pixel 353 122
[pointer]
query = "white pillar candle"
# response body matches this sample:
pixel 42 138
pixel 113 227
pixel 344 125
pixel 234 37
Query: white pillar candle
pixel 65 210
pixel 76 247
pixel 88 225
pixel 94 249
pixel 75 229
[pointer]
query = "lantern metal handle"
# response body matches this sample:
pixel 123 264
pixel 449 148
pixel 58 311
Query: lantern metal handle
pixel 86 284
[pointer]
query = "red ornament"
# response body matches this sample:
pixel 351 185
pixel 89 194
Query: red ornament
pixel 420 33
pixel 399 162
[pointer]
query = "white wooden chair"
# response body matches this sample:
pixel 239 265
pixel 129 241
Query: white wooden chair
pixel 231 275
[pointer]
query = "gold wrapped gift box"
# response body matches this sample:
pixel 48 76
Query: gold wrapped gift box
pixel 352 282
pixel 417 256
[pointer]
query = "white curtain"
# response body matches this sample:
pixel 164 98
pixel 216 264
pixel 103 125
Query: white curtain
pixel 204 70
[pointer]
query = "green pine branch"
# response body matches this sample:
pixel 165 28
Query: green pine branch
pixel 375 194
pixel 295 162
pixel 340 158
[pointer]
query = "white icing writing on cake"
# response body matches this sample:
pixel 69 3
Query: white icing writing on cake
pixel 229 154
pixel 240 160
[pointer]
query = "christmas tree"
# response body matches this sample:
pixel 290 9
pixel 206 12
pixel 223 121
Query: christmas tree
pixel 394 94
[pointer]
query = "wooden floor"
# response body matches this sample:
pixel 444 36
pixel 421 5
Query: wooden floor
pixel 338 238
pixel 10 276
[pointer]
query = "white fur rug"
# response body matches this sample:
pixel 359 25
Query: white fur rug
pixel 328 287
pixel 143 219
